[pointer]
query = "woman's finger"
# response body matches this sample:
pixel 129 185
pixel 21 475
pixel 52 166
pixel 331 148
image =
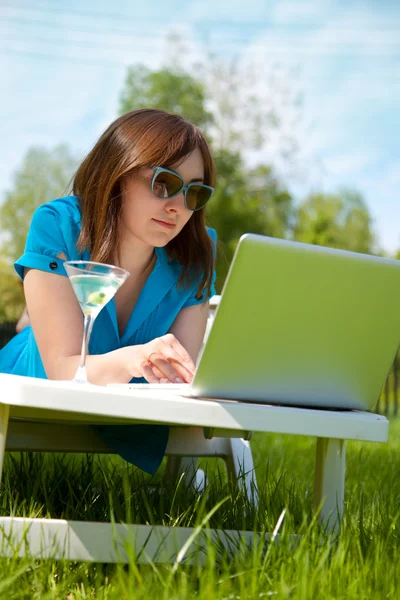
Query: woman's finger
pixel 168 370
pixel 175 361
pixel 169 362
pixel 156 371
pixel 172 341
pixel 148 373
pixel 185 374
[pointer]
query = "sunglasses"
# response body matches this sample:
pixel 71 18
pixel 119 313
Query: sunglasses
pixel 167 184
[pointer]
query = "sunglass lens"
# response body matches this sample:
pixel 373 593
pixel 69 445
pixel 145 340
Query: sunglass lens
pixel 166 185
pixel 197 196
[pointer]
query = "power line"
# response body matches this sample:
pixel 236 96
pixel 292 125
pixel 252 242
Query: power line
pixel 73 43
pixel 52 58
pixel 82 13
pixel 258 23
pixel 145 36
pixel 152 31
pixel 58 24
pixel 145 43
pixel 360 76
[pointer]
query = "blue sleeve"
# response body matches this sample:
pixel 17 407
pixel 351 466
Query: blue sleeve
pixel 45 240
pixel 192 300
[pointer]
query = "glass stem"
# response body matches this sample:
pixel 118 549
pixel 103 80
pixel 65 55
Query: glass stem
pixel 81 375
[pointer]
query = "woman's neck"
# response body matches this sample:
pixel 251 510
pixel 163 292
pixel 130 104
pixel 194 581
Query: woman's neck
pixel 136 258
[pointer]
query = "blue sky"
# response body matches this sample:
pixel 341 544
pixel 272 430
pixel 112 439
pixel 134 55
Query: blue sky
pixel 63 65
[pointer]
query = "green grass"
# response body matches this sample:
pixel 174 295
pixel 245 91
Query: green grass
pixel 362 562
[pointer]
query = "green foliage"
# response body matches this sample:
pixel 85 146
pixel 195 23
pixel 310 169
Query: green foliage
pixel 175 92
pixel 335 220
pixel 245 201
pixel 243 118
pixel 11 294
pixel 43 176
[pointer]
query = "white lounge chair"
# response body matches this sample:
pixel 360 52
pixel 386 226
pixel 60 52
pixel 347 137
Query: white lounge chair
pixel 185 447
pixel 55 417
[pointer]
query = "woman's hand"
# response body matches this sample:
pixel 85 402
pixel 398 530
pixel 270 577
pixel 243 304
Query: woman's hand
pixel 162 359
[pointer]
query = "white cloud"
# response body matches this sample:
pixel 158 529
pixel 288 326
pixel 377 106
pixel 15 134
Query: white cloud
pixel 49 99
pixel 226 10
pixel 343 56
pixel 351 163
pixel 392 177
pixel 300 11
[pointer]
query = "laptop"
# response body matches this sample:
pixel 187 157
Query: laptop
pixel 300 325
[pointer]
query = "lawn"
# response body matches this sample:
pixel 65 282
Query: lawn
pixel 362 562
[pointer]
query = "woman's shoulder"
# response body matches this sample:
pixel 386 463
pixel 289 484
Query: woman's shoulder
pixel 54 230
pixel 64 207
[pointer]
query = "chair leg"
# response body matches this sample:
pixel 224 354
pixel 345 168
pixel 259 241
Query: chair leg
pixel 4 414
pixel 185 468
pixel 240 465
pixel 329 481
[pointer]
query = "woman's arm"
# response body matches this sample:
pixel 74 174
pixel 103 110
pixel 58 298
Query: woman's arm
pixel 189 327
pixel 23 321
pixel 57 322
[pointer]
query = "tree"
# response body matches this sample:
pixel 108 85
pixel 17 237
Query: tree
pixel 43 176
pixel 255 103
pixel 246 108
pixel 337 220
pixel 11 294
pixel 175 92
pixel 245 201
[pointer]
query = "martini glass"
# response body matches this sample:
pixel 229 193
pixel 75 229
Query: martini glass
pixel 94 285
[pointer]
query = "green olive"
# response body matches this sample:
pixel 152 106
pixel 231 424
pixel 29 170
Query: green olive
pixel 97 298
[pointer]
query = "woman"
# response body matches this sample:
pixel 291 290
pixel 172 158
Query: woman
pixel 23 321
pixel 138 202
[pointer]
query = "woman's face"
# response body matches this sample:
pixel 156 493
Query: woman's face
pixel 152 220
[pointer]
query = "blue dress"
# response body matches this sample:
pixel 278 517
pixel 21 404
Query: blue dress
pixel 54 229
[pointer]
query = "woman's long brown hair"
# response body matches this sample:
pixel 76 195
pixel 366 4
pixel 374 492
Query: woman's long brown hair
pixel 142 138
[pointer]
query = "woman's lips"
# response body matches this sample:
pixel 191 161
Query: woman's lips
pixel 165 224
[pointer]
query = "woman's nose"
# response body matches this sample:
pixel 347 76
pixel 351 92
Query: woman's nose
pixel 176 203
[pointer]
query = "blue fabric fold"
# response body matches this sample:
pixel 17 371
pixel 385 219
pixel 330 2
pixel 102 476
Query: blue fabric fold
pixel 141 445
